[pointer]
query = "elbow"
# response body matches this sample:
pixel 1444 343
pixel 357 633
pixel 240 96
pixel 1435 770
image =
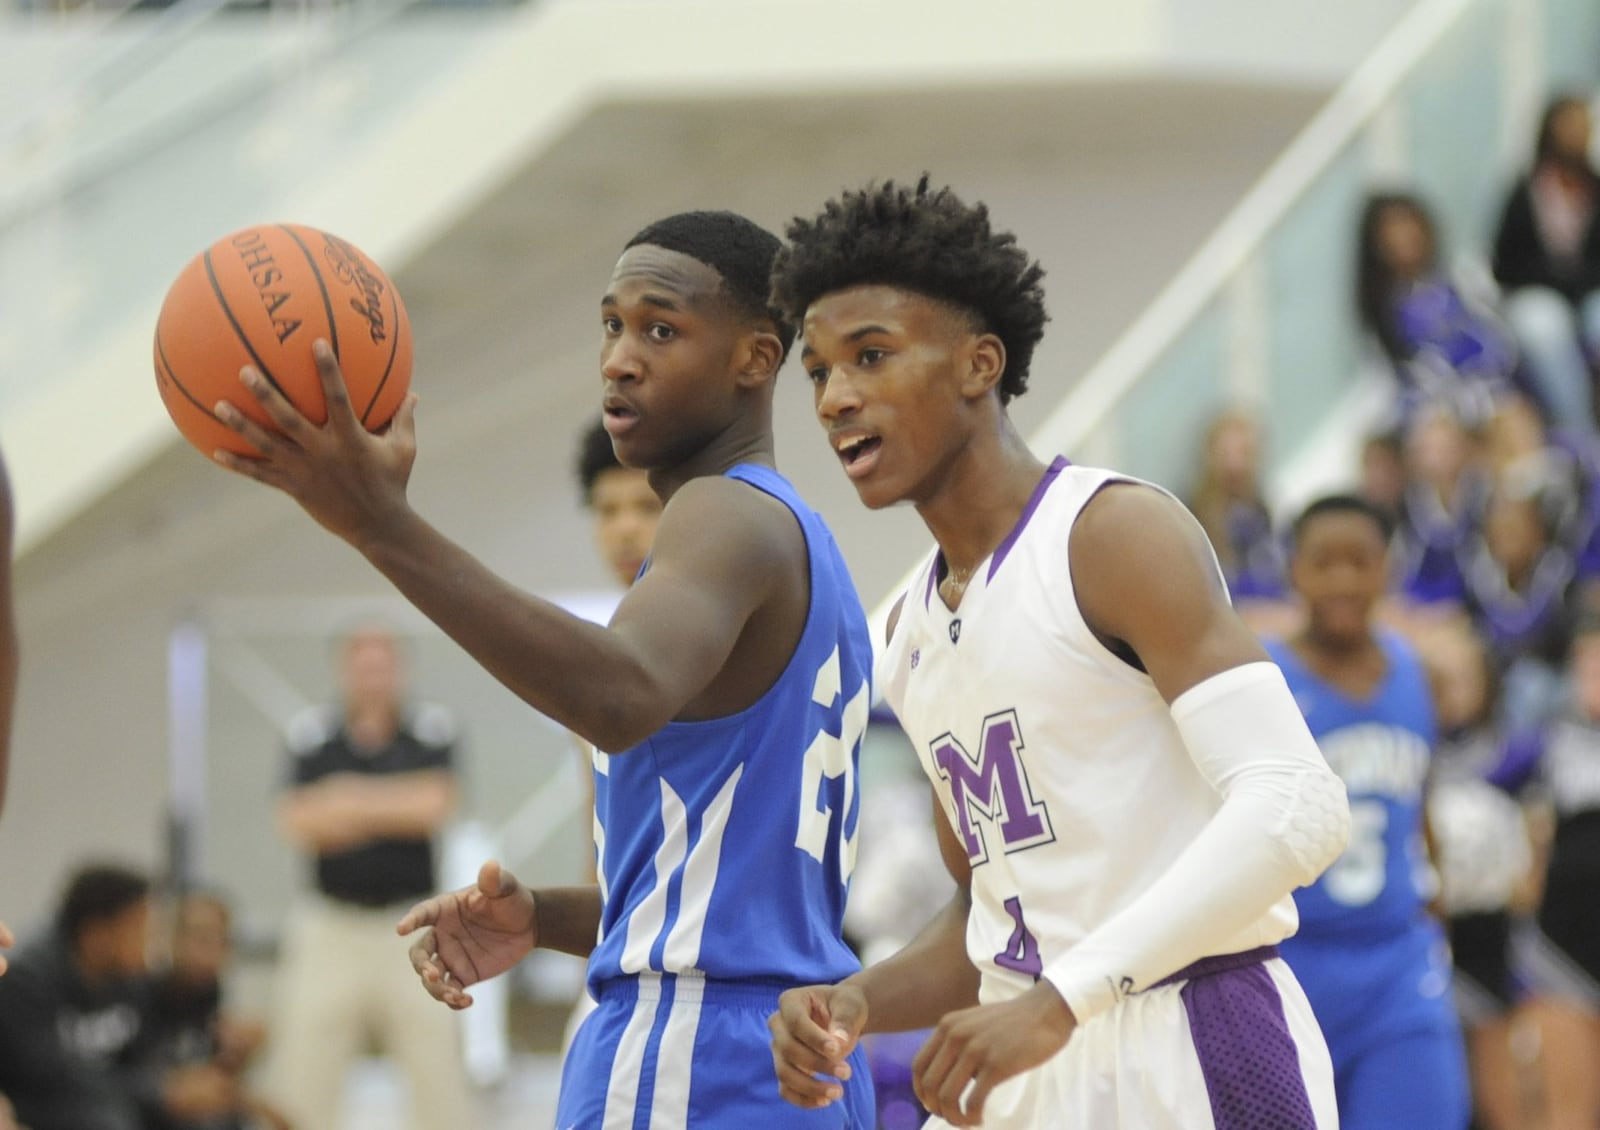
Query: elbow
pixel 622 720
pixel 1317 826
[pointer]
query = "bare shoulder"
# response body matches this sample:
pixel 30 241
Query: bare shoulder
pixel 716 514
pixel 1145 576
pixel 1133 534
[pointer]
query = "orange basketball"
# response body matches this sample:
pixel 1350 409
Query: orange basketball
pixel 260 297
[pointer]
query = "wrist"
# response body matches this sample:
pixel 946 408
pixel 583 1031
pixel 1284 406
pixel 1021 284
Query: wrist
pixel 1055 1012
pixel 386 530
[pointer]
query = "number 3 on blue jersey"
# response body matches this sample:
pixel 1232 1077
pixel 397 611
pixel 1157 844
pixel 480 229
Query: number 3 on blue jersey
pixel 832 758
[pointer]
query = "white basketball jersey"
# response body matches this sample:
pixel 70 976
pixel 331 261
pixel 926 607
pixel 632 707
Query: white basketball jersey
pixel 1057 762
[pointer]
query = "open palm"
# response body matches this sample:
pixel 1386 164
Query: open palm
pixel 472 934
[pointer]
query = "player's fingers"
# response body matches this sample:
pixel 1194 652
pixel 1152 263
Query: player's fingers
pixel 986 1081
pixel 265 442
pixel 422 952
pixel 803 1015
pixel 334 393
pixel 806 1060
pixel 495 881
pixel 847 1016
pixel 929 1071
pixel 256 469
pixel 425 913
pixel 798 1084
pixel 284 415
pixel 7 938
pixel 954 1090
pixel 404 425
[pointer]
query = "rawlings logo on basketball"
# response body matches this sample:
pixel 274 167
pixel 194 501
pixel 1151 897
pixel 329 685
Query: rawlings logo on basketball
pixel 265 275
pixel 993 785
pixel 352 271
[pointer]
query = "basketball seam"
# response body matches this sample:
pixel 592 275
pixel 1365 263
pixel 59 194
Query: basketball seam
pixel 172 375
pixel 327 301
pixel 238 330
pixel 394 347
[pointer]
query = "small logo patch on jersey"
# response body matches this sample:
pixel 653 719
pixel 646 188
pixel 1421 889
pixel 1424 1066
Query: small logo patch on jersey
pixel 955 631
pixel 916 657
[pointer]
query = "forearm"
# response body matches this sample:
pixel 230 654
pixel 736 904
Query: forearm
pixel 567 919
pixel 931 976
pixel 1283 819
pixel 565 667
pixel 411 805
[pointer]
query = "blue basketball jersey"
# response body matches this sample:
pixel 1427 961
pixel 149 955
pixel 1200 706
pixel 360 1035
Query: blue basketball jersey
pixel 725 847
pixel 1380 747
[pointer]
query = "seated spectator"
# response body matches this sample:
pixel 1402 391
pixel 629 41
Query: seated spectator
pixel 72 1009
pixel 1562 468
pixel 1227 500
pixel 1443 346
pixel 1383 472
pixel 186 1025
pixel 1520 590
pixel 1441 512
pixel 1547 258
pixel 1560 956
pixel 1484 858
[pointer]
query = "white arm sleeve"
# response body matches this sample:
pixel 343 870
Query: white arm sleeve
pixel 1284 819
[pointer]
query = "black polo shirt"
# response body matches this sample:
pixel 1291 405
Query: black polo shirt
pixel 385 871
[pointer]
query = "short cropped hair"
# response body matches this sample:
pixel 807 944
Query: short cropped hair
pixel 739 250
pixel 1342 504
pixel 97 893
pixel 926 241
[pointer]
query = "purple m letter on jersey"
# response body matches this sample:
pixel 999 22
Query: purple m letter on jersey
pixel 993 785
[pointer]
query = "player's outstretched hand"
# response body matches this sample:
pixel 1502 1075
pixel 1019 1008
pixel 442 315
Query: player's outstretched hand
pixel 347 478
pixel 472 934
pixel 982 1047
pixel 813 1031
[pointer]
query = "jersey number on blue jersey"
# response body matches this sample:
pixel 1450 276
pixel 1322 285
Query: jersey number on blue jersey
pixel 830 760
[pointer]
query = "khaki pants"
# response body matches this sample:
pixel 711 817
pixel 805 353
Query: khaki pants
pixel 345 984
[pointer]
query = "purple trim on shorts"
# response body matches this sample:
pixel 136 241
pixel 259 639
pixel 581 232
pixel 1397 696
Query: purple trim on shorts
pixel 1056 467
pixel 1208 966
pixel 1241 1038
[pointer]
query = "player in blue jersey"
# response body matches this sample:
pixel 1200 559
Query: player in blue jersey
pixel 729 691
pixel 1374 964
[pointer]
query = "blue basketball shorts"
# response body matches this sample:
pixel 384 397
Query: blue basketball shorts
pixel 671 1051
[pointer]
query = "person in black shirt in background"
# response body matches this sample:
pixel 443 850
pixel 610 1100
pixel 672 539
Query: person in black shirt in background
pixel 185 1024
pixel 73 1011
pixel 371 785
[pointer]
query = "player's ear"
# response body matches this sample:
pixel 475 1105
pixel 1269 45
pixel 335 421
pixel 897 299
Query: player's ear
pixel 986 364
pixel 763 356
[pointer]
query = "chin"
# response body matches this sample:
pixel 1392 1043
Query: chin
pixel 875 499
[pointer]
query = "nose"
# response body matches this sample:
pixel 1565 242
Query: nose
pixel 837 396
pixel 618 360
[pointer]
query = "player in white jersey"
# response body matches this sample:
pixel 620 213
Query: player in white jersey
pixel 1128 790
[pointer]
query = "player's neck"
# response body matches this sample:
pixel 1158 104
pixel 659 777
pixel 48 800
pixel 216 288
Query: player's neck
pixel 747 442
pixel 980 496
pixel 1327 652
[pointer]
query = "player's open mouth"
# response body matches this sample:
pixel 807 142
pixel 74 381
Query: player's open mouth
pixel 858 453
pixel 619 418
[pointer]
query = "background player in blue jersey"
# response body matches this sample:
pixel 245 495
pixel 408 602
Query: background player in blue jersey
pixel 1373 962
pixel 730 691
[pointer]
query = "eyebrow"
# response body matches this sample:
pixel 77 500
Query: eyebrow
pixel 660 302
pixel 865 331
